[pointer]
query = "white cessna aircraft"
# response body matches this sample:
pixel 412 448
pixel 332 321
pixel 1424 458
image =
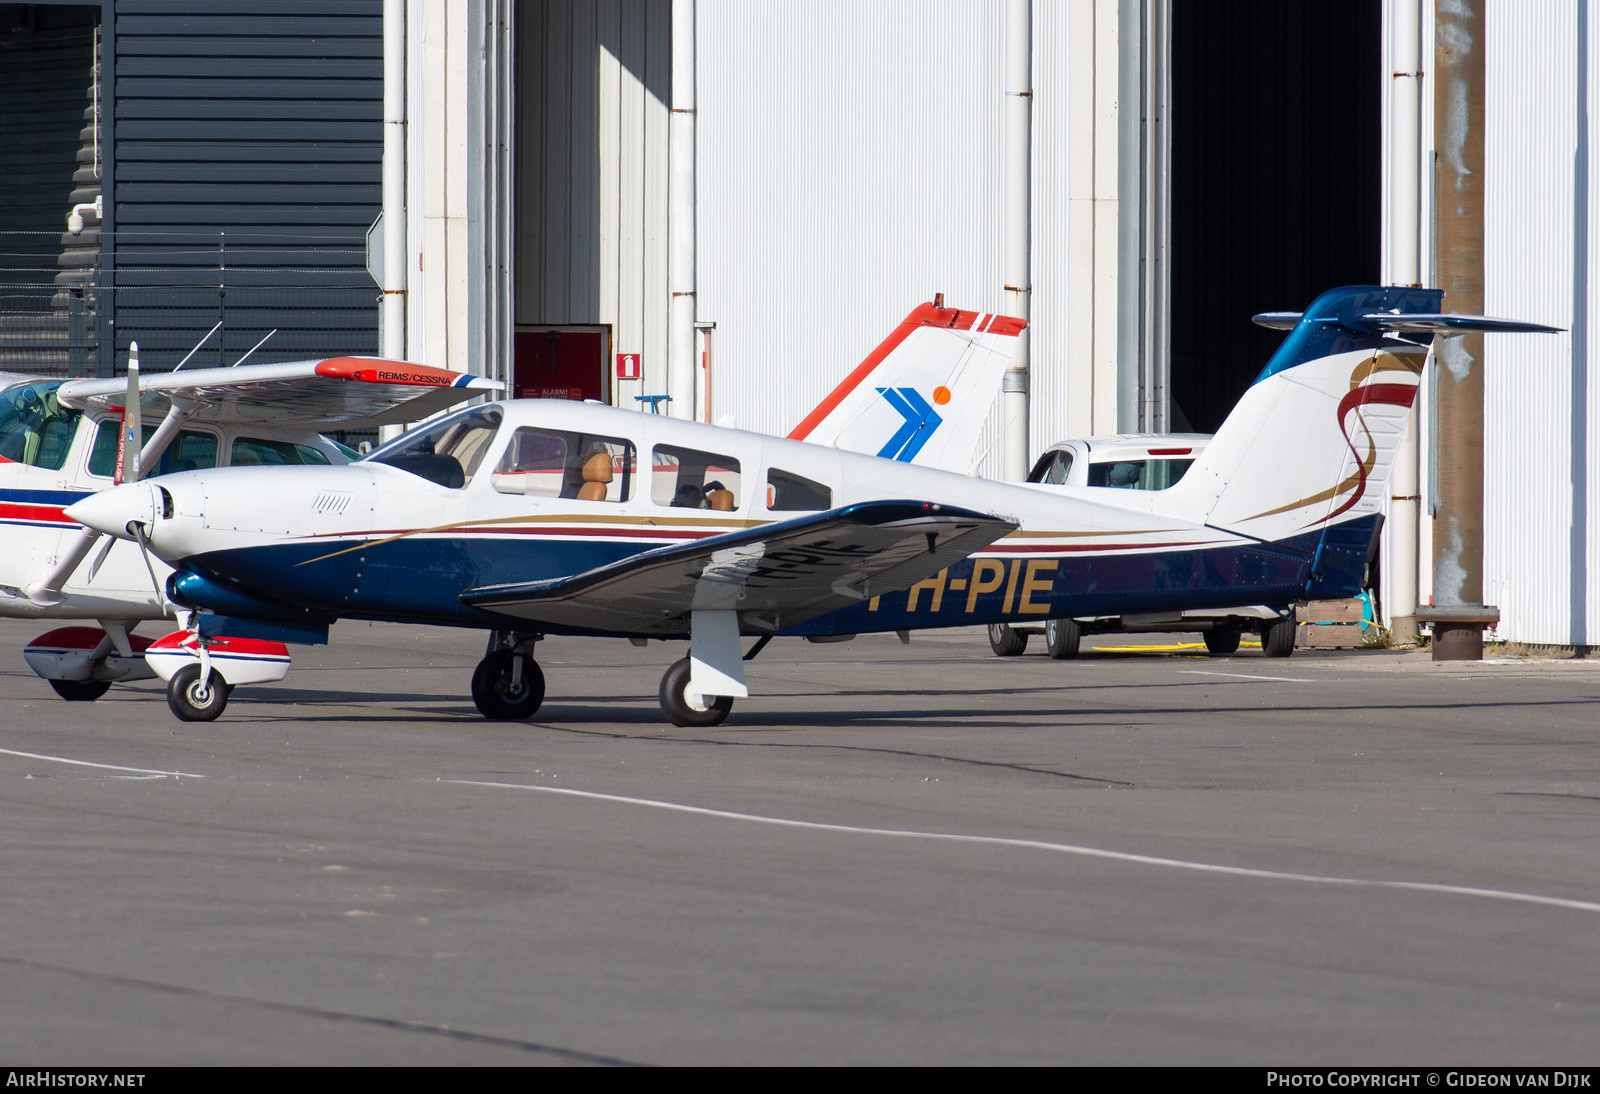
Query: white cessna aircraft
pixel 531 517
pixel 920 396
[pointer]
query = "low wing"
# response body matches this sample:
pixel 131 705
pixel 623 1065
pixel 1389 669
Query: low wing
pixel 348 392
pixel 775 576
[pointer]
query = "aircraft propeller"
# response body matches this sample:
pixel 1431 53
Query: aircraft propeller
pixel 47 590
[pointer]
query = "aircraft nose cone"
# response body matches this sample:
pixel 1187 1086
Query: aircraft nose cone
pixel 112 511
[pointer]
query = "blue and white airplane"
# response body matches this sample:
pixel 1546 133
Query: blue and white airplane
pixel 59 442
pixel 529 518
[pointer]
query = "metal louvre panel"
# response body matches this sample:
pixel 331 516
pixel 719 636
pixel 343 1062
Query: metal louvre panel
pixel 248 169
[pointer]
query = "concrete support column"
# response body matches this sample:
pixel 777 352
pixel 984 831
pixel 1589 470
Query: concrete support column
pixel 1458 612
pixel 681 216
pixel 392 334
pixel 1405 268
pixel 1018 228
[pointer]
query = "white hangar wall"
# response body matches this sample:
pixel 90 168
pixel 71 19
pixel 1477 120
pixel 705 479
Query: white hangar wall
pixel 1542 396
pixel 850 165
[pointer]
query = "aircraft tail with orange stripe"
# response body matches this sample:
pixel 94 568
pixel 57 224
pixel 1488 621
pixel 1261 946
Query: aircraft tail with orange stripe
pixel 923 395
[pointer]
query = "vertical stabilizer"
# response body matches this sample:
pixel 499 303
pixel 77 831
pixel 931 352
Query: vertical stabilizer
pixel 1312 443
pixel 924 394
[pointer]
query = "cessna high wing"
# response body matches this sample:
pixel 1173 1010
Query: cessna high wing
pixel 920 396
pixel 62 440
pixel 531 518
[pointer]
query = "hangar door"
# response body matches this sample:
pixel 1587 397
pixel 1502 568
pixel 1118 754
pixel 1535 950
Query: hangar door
pixel 1276 176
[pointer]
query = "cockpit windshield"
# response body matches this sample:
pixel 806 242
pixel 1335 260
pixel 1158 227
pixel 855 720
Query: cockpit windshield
pixel 448 452
pixel 34 428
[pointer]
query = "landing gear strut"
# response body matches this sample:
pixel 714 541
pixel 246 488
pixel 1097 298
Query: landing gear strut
pixel 508 684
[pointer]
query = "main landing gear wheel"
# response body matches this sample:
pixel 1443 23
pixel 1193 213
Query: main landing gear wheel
pixel 80 691
pixel 675 702
pixel 1221 641
pixel 1061 638
pixel 508 686
pixel 1277 637
pixel 1006 642
pixel 194 703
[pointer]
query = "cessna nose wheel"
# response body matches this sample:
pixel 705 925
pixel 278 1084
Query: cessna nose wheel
pixel 196 702
pixel 508 686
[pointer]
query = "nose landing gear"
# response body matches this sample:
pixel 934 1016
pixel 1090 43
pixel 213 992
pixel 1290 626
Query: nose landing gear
pixel 508 684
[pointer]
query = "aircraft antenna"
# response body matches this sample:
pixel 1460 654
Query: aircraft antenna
pixel 197 346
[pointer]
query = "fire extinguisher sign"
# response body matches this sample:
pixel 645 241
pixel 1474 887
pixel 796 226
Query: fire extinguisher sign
pixel 628 366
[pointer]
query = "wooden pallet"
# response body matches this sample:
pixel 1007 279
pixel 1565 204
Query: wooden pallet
pixel 1329 625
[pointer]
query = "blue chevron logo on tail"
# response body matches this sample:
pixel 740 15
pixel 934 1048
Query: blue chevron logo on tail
pixel 920 422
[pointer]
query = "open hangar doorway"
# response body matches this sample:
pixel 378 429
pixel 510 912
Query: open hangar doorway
pixel 1276 177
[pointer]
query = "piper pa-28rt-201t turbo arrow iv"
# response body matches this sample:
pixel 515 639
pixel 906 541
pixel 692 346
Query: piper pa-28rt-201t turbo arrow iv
pixel 530 518
pixel 60 441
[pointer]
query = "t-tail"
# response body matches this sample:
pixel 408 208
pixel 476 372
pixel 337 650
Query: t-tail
pixel 1307 453
pixel 923 395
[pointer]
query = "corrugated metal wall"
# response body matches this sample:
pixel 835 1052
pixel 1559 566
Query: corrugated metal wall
pixel 1542 398
pixel 248 162
pixel 851 165
pixel 1076 205
pixel 849 168
pixel 49 162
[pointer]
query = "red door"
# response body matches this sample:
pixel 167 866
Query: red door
pixel 560 364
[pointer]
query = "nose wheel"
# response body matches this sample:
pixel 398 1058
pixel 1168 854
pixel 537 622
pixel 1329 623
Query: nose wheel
pixel 194 700
pixel 508 686
pixel 685 707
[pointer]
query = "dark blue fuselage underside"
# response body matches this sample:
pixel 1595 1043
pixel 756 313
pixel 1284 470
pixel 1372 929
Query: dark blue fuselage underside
pixel 419 580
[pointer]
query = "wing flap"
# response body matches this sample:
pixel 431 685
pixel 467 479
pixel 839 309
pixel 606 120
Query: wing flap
pixel 775 576
pixel 350 392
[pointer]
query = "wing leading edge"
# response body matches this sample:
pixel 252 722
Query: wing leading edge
pixel 775 576
pixel 349 391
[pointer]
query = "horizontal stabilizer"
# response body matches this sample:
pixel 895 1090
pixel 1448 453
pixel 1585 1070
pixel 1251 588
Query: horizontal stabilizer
pixel 774 576
pixel 1276 320
pixel 1409 323
pixel 1456 324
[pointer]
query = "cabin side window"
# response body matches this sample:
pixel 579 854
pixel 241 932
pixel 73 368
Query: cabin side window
pixel 34 428
pixel 687 478
pixel 556 463
pixel 788 492
pixel 1138 474
pixel 255 452
pixel 190 450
